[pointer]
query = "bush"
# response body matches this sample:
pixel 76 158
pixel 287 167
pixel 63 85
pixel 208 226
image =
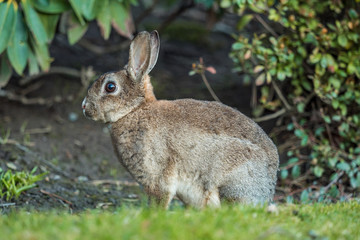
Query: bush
pixel 28 26
pixel 306 61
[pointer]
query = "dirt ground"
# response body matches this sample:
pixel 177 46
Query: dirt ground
pixel 83 170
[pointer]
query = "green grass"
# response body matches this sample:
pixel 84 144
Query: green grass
pixel 319 221
pixel 12 184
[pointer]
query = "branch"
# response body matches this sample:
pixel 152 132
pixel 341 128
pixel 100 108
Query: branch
pixel 34 101
pixel 281 96
pixel 7 204
pixel 99 50
pixel 53 195
pixel 185 6
pixel 265 25
pixel 209 87
pixel 270 116
pixel 333 181
pixel 147 11
pixel 54 70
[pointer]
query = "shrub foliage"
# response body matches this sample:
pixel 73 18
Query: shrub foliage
pixel 28 26
pixel 306 61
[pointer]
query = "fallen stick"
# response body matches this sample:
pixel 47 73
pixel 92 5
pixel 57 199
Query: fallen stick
pixel 53 195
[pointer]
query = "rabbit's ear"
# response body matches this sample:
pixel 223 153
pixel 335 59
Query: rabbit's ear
pixel 155 47
pixel 139 56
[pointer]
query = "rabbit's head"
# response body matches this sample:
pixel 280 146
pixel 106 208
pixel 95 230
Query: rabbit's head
pixel 115 94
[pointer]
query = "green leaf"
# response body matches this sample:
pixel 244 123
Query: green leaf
pixel 119 15
pixel 323 61
pixel 293 160
pixel 327 119
pixel 8 12
pixel 33 21
pixel 5 71
pixel 343 166
pixel 91 8
pixel 225 3
pixel 244 20
pixel 284 174
pixel 343 109
pixel 342 40
pixel 351 69
pixel 51 6
pixel 306 85
pixel 76 30
pixel 206 3
pixel 237 46
pixel 18 49
pixel 281 75
pixel 304 140
pixel 335 103
pixel 77 7
pixel 295 171
pixel 304 197
pixel 353 14
pixel 104 20
pixel 33 64
pixel 336 118
pixel 42 55
pixel 300 107
pixel 318 171
pixel 49 22
pixel 355 182
pixel 333 161
pixel 319 131
pixel 314 58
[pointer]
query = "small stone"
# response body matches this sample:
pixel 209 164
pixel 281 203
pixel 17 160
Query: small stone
pixel 272 208
pixel 83 179
pixel 73 117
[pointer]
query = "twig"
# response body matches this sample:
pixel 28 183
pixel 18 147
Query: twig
pixel 39 130
pixel 99 50
pixel 328 130
pixel 53 195
pixel 326 188
pixel 185 6
pixel 293 164
pixel 7 204
pixel 31 88
pixel 54 70
pixel 270 116
pixel 115 182
pixel 34 101
pixel 281 96
pixel 209 87
pixel 266 26
pixel 145 13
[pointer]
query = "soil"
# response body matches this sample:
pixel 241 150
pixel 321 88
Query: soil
pixel 83 170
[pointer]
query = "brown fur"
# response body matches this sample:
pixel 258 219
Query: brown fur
pixel 200 151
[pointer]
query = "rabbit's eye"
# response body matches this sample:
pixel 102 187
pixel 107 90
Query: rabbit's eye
pixel 110 87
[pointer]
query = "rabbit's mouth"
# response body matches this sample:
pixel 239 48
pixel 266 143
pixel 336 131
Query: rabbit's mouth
pixel 86 110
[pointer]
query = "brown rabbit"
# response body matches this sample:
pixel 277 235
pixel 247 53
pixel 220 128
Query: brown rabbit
pixel 202 152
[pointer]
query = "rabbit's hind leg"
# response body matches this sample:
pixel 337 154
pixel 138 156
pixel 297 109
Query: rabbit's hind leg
pixel 247 185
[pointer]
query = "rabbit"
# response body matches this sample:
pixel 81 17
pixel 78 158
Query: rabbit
pixel 202 152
